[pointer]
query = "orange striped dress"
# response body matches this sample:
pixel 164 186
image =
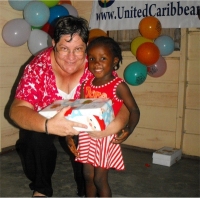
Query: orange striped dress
pixel 101 152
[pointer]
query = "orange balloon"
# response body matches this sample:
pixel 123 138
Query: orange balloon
pixel 94 33
pixel 150 27
pixel 64 1
pixel 147 53
pixel 136 42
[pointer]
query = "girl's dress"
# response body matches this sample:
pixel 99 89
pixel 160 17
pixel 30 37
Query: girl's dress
pixel 101 152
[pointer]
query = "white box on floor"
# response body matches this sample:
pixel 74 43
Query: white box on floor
pixel 166 156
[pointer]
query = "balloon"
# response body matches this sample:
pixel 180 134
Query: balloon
pixel 64 1
pixel 18 4
pixel 56 12
pixel 137 42
pixel 165 44
pixel 32 27
pixel 150 27
pixel 49 29
pixel 38 41
pixel 148 53
pixel 158 69
pixel 94 33
pixel 16 32
pixel 50 3
pixel 36 13
pixel 135 73
pixel 71 9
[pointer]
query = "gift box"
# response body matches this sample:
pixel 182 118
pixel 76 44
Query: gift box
pixel 96 113
pixel 166 156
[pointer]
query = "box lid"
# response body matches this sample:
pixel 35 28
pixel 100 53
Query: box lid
pixel 84 104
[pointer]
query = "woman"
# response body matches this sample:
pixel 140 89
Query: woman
pixel 56 73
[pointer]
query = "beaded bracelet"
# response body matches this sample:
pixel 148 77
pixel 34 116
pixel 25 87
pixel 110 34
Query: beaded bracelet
pixel 46 129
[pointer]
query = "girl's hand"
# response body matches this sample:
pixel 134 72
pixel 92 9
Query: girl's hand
pixel 71 145
pixel 121 137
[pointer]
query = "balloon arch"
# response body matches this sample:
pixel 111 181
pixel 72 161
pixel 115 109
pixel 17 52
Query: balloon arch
pixel 37 27
pixel 149 49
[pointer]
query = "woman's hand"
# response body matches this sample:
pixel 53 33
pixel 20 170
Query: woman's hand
pixel 59 125
pixel 24 115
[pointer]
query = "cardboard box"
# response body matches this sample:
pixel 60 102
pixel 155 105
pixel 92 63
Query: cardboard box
pixel 166 156
pixel 96 113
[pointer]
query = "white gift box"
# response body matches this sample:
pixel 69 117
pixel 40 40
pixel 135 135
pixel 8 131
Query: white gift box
pixel 166 156
pixel 96 113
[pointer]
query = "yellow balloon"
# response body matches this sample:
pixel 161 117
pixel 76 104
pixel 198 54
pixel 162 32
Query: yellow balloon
pixel 137 42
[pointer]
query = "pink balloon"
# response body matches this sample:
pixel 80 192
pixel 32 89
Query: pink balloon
pixel 158 69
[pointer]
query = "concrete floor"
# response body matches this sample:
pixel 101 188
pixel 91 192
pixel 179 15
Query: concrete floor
pixel 140 179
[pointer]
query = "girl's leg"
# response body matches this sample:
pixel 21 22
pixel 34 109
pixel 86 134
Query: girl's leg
pixel 101 182
pixel 88 171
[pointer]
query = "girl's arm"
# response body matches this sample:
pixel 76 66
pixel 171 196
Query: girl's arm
pixel 124 93
pixel 126 119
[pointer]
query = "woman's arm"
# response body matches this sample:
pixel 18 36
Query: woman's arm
pixel 23 114
pixel 115 126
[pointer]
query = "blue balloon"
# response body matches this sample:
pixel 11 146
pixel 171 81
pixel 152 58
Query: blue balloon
pixel 165 44
pixel 135 73
pixel 57 12
pixel 36 13
pixel 18 4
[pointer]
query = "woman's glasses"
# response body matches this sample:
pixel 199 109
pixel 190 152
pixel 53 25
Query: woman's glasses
pixel 64 51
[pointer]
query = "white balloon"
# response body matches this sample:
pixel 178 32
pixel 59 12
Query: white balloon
pixel 16 32
pixel 38 41
pixel 18 4
pixel 71 9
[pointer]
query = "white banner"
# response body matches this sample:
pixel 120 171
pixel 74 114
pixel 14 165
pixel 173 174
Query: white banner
pixel 126 14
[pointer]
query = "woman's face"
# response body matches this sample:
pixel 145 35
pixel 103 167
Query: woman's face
pixel 70 55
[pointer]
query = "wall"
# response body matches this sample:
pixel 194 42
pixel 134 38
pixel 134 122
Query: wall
pixel 170 107
pixel 191 131
pixel 11 61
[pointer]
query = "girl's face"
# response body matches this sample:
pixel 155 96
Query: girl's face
pixel 101 61
pixel 70 56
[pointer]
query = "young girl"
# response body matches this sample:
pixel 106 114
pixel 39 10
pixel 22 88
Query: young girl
pixel 99 155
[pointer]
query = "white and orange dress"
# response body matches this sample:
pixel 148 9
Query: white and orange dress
pixel 101 152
